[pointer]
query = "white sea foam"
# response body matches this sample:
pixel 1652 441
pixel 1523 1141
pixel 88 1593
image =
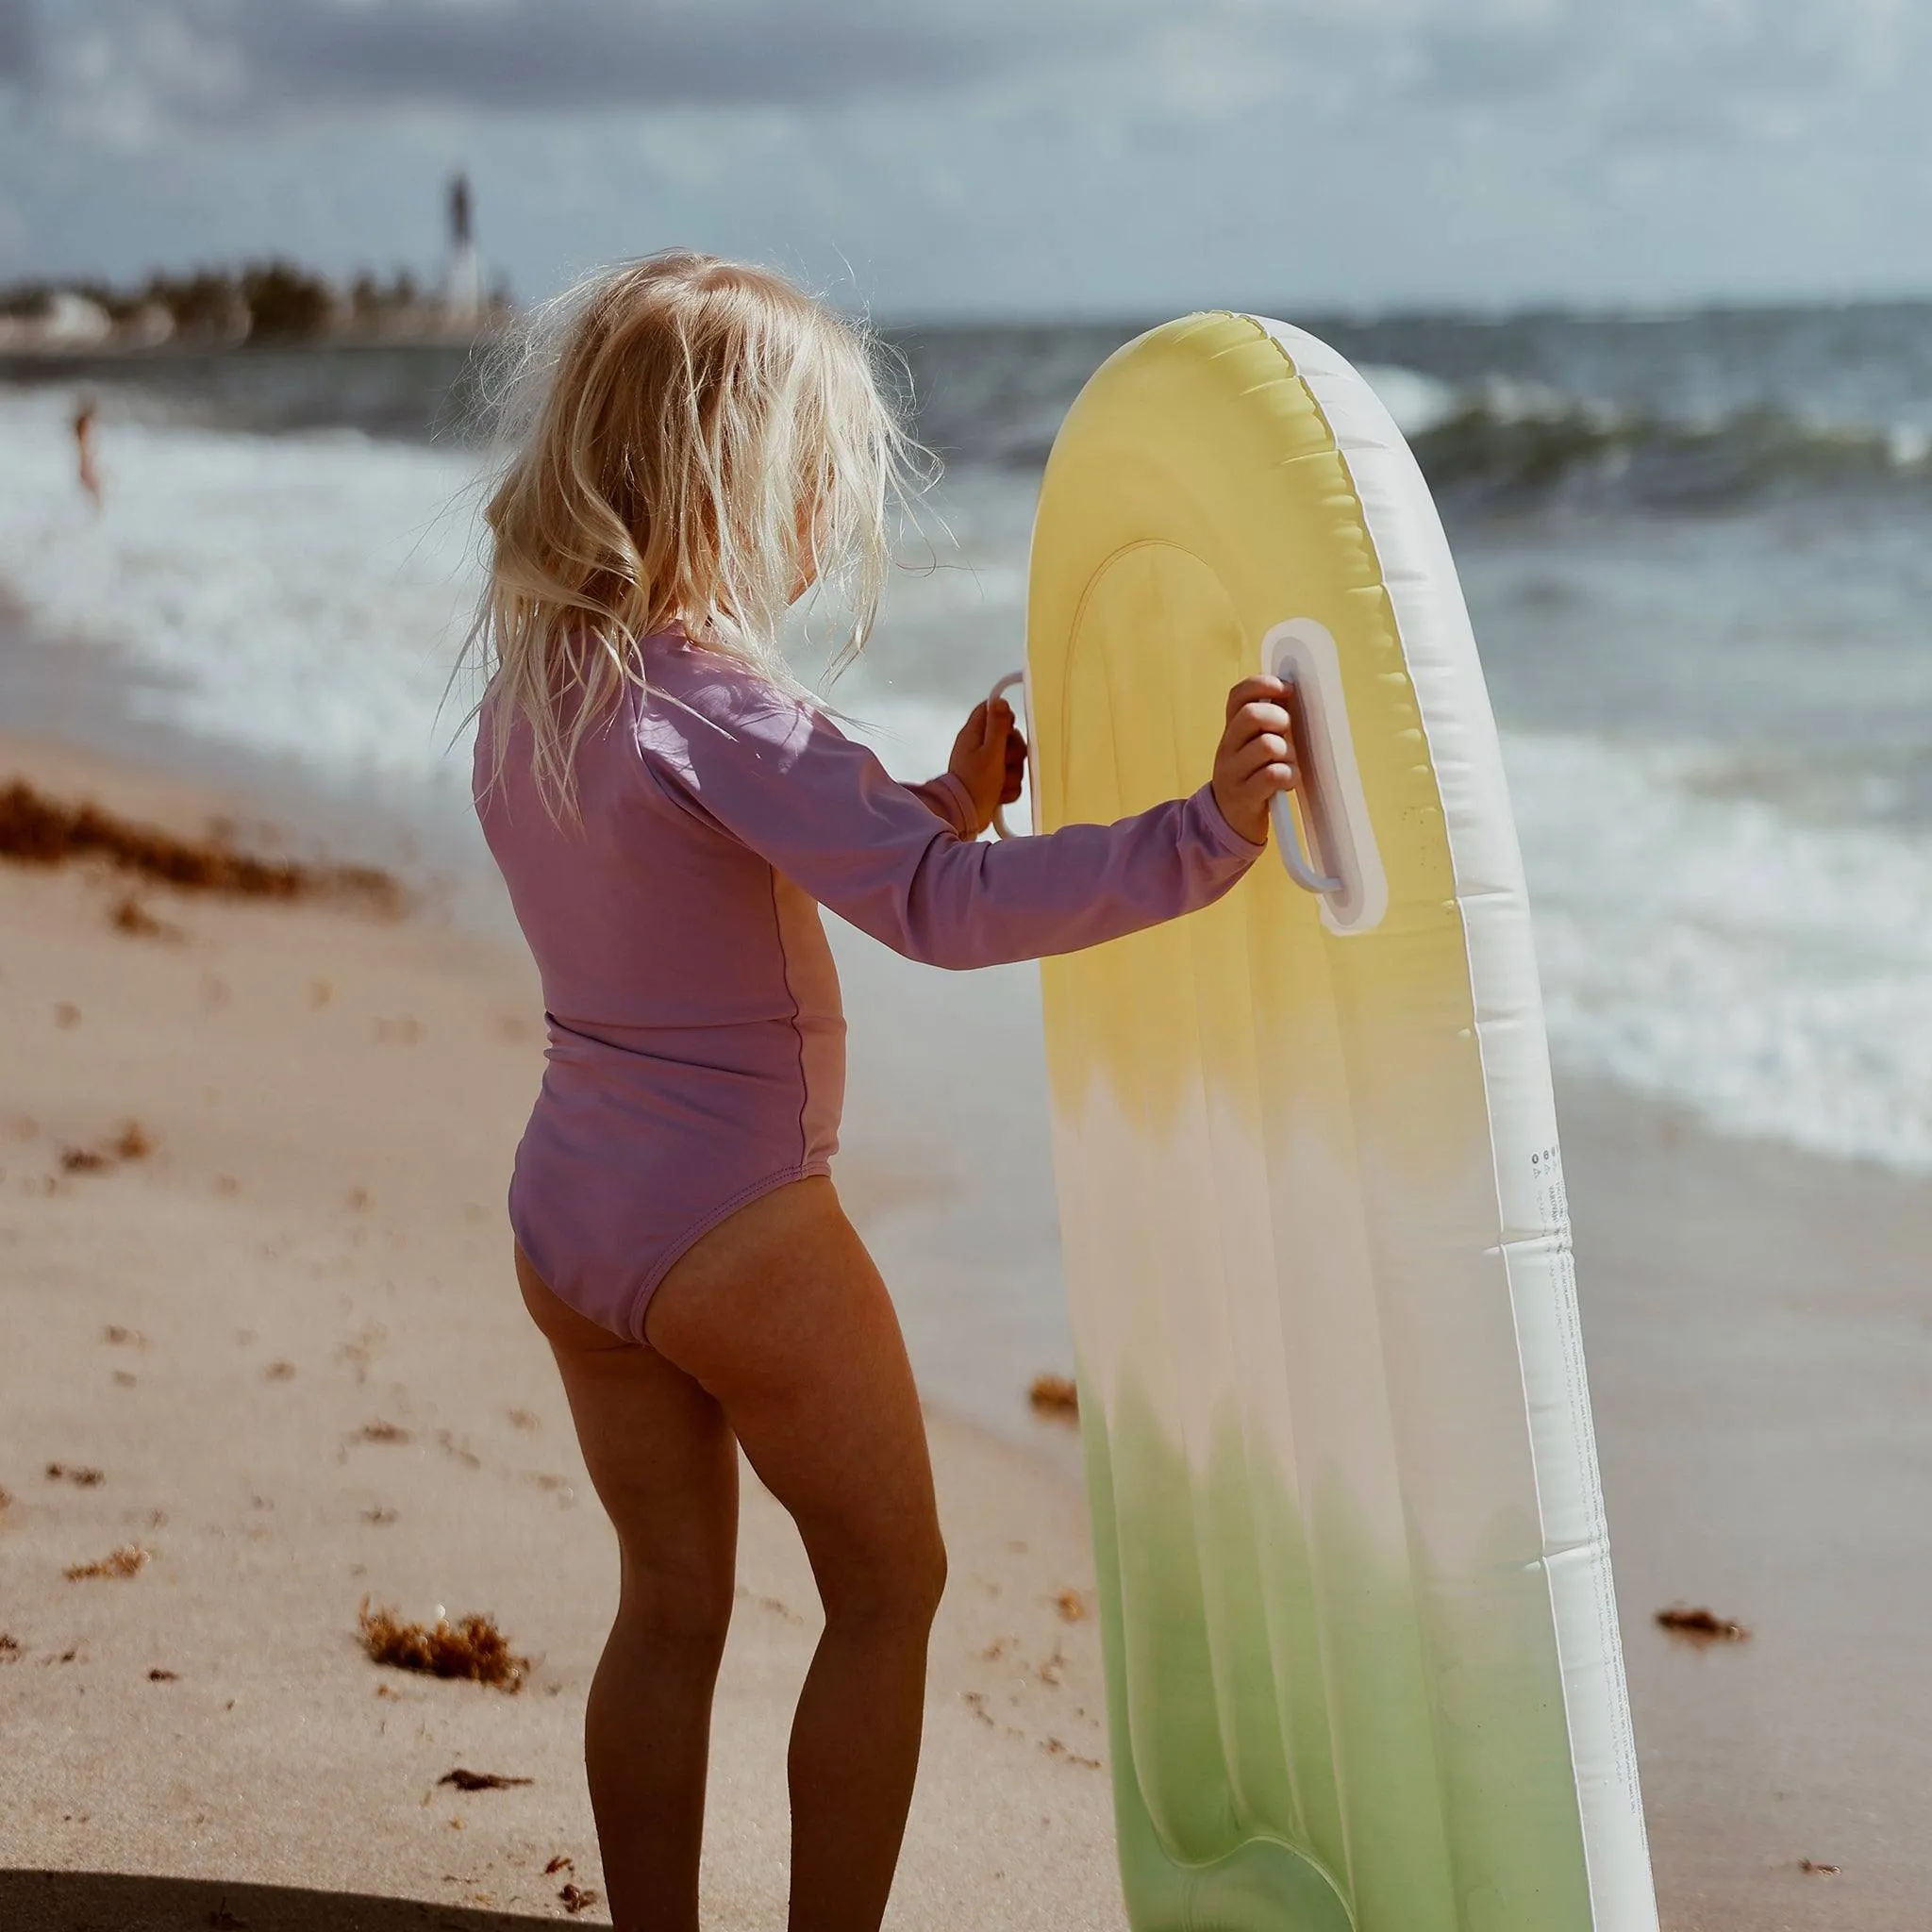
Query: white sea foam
pixel 1417 401
pixel 305 596
pixel 1772 974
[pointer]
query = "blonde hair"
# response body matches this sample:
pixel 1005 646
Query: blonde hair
pixel 692 442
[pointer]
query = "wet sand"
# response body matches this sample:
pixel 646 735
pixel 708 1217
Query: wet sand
pixel 1760 1335
pixel 287 1338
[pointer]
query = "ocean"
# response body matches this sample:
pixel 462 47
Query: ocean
pixel 1694 546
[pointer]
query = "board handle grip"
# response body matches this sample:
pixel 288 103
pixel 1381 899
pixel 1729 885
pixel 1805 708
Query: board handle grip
pixel 1000 830
pixel 1296 860
pixel 1322 824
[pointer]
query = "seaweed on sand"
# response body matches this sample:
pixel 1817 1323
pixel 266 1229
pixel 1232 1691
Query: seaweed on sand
pixel 1056 1396
pixel 39 830
pixel 129 1560
pixel 133 1143
pixel 471 1647
pixel 131 916
pixel 1700 1625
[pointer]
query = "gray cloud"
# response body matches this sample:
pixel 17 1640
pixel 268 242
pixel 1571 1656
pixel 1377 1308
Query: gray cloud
pixel 16 39
pixel 559 53
pixel 191 60
pixel 1495 61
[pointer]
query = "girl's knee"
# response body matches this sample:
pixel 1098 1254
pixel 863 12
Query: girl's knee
pixel 900 1590
pixel 924 1581
pixel 677 1607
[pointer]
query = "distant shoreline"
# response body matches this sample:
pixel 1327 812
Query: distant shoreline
pixel 120 355
pixel 1322 318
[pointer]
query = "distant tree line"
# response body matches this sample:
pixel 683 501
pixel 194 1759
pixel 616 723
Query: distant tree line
pixel 272 300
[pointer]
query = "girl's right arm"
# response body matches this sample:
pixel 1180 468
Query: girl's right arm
pixel 824 812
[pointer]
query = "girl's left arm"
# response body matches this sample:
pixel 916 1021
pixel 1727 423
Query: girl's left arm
pixel 823 811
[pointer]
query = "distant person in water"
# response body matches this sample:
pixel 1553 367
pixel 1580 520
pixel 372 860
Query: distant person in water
pixel 85 415
pixel 670 810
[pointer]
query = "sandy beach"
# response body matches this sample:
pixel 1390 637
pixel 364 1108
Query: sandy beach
pixel 261 1331
pixel 288 1341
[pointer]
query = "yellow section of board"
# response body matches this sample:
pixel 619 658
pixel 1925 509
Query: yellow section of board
pixel 1191 505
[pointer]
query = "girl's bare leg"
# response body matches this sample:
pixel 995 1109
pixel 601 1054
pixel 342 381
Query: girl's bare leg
pixel 780 1316
pixel 665 1467
pixel 776 1327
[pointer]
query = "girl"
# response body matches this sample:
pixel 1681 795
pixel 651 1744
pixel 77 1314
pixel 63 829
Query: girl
pixel 669 811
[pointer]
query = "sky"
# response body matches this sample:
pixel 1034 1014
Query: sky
pixel 996 157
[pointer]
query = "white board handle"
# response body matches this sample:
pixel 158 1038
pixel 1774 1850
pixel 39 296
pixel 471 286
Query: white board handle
pixel 1322 824
pixel 1006 684
pixel 1299 864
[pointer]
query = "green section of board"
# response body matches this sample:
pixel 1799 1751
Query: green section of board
pixel 1285 1732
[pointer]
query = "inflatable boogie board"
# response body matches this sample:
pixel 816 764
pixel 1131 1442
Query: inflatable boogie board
pixel 1361 1648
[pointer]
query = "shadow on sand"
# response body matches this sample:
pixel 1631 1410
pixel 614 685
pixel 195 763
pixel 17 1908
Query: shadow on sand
pixel 116 1902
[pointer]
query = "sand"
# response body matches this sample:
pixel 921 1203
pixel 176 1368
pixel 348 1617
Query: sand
pixel 287 1338
pixel 314 1258
pixel 1759 1337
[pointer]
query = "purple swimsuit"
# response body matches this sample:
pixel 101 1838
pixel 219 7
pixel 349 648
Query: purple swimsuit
pixel 697 1046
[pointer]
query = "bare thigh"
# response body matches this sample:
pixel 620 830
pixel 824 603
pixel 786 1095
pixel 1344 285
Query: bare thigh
pixel 660 1456
pixel 781 1318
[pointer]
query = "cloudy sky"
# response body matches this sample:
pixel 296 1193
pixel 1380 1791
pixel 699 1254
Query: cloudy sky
pixel 997 156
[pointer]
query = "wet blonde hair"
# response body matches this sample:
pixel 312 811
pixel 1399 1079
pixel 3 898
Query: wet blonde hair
pixel 692 441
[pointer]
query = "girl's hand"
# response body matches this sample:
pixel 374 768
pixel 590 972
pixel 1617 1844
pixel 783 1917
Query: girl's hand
pixel 1256 759
pixel 990 759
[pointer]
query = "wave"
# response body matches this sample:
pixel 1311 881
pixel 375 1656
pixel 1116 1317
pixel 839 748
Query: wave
pixel 1765 973
pixel 1507 445
pixel 1489 441
pixel 301 596
pixel 1512 444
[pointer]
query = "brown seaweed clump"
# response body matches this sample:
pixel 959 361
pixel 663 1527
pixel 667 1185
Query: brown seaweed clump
pixel 129 1560
pixel 471 1647
pixel 1699 1625
pixel 39 830
pixel 129 915
pixel 481 1780
pixel 1056 1396
pixel 133 1143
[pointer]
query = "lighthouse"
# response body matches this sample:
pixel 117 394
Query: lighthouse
pixel 462 286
